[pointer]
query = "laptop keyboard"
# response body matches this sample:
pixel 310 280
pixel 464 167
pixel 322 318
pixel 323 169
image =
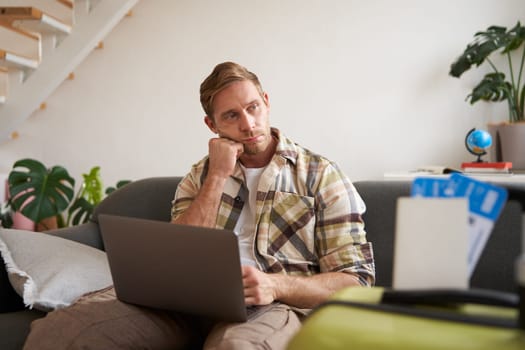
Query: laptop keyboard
pixel 253 311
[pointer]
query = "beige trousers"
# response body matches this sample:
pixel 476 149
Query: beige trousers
pixel 99 321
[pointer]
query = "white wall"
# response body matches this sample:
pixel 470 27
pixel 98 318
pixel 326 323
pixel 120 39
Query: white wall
pixel 363 82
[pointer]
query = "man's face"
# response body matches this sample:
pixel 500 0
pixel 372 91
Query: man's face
pixel 242 115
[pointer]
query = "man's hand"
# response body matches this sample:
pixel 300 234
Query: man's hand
pixel 223 154
pixel 259 287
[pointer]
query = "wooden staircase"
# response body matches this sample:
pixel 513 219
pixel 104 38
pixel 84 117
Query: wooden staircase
pixel 41 43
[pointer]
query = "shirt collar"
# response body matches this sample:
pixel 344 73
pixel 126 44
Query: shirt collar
pixel 286 148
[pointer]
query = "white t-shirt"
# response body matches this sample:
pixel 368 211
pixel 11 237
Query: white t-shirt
pixel 245 227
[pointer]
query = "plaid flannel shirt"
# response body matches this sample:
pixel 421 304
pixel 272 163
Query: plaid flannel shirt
pixel 308 214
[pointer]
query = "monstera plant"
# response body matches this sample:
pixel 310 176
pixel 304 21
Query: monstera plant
pixel 37 192
pixel 40 193
pixel 496 85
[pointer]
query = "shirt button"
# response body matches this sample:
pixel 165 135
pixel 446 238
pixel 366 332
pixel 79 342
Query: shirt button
pixel 238 199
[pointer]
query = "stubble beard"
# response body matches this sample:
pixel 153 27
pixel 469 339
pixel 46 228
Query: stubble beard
pixel 253 149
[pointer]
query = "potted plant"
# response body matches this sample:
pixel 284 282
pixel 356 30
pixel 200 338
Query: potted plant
pixel 505 83
pixel 42 194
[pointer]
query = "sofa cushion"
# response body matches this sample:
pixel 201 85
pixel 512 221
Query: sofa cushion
pixel 51 272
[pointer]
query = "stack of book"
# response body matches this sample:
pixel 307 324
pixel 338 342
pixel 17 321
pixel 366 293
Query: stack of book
pixel 487 167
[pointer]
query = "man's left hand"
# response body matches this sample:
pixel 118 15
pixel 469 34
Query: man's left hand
pixel 259 287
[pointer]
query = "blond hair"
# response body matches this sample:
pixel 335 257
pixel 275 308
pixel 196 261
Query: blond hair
pixel 223 75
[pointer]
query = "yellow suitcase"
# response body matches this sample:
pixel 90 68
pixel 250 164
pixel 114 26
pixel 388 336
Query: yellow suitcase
pixel 377 318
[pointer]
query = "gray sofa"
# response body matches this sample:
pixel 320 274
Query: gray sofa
pixel 151 198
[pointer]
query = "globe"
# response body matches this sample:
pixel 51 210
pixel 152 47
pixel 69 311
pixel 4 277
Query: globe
pixel 477 142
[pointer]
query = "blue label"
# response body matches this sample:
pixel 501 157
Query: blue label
pixel 430 187
pixel 485 199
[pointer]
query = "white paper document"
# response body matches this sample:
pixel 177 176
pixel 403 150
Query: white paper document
pixel 431 243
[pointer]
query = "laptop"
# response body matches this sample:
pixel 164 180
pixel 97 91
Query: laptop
pixel 188 269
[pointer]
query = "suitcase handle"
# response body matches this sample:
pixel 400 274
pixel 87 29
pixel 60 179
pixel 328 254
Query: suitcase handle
pixel 401 302
pixel 442 297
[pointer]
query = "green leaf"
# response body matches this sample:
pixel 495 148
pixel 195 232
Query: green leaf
pixel 92 188
pixel 80 211
pixel 484 44
pixel 37 192
pixel 120 184
pixel 516 36
pixel 493 88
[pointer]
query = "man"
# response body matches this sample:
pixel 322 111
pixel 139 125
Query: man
pixel 297 217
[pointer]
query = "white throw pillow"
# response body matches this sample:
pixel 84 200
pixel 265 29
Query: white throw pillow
pixel 50 272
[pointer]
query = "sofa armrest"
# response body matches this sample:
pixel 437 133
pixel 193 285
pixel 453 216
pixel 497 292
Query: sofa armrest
pixel 87 233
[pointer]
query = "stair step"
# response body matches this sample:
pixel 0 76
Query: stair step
pixel 10 59
pixel 20 42
pixel 33 19
pixel 68 3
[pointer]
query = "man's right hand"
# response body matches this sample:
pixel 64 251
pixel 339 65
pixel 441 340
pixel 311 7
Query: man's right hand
pixel 223 154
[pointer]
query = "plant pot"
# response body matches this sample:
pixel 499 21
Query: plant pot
pixel 508 143
pixel 47 224
pixel 20 222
